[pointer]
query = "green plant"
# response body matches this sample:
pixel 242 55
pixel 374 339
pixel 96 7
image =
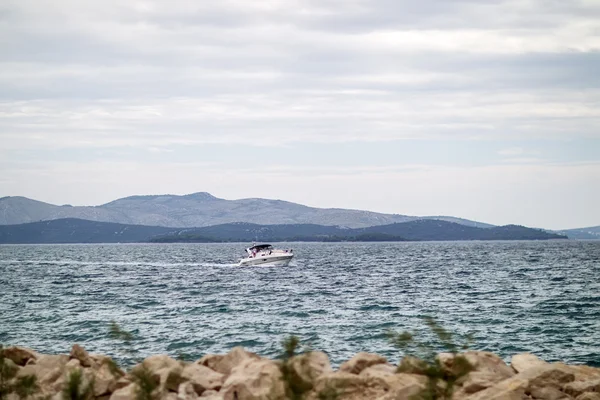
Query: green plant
pixel 329 393
pixel 145 383
pixel 26 386
pixel 76 388
pixel 118 333
pixel 441 380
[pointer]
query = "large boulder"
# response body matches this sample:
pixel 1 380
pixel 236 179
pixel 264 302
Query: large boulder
pixel 202 378
pixel 128 392
pixel 223 364
pixel 340 386
pixel 589 396
pixel 186 391
pixel 577 388
pixel 47 369
pixel 306 368
pixel 508 389
pixel 105 380
pixel 157 362
pixel 361 361
pixel 412 365
pixel 79 353
pixel 372 383
pixel 486 370
pixel 19 355
pixel 523 361
pixel 531 379
pixel 548 393
pixel 387 369
pixel 255 379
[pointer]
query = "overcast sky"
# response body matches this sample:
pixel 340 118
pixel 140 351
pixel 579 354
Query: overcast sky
pixel 487 110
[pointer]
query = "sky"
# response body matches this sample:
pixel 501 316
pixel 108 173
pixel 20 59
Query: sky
pixel 486 110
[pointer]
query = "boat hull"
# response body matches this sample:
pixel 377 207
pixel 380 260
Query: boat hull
pixel 275 260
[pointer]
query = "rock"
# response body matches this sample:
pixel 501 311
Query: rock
pixel 47 369
pixel 478 380
pixel 548 393
pixel 126 393
pixel 540 376
pixel 169 377
pixel 169 396
pixel 304 369
pixel 73 364
pixel 211 395
pixel 19 355
pixel 589 396
pixel 549 375
pixel 158 362
pixel 582 372
pixel 202 378
pixel 254 379
pixel 412 365
pixel 523 361
pixel 210 360
pixel 483 361
pixel 577 388
pixel 123 382
pixel 105 382
pixel 224 364
pixel 79 353
pixel 340 386
pixel 508 389
pixel 387 369
pixel 361 361
pixel 372 383
pixel 186 392
pixel 394 386
pixel 487 370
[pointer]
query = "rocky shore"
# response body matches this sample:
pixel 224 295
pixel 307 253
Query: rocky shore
pixel 241 375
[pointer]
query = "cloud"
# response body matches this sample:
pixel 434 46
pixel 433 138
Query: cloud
pixel 93 79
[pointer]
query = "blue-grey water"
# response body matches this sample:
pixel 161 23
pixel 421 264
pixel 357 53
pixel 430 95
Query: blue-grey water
pixel 542 297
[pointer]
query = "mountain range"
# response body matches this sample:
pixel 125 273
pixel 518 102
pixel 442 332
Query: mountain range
pixel 70 230
pixel 201 209
pixel 144 217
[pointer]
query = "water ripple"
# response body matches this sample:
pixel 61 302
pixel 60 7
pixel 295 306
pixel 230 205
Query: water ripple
pixel 341 298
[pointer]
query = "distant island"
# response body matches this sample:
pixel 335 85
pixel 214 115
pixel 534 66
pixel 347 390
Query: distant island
pixel 204 218
pixel 71 230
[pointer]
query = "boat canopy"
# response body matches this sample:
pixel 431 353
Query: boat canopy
pixel 259 247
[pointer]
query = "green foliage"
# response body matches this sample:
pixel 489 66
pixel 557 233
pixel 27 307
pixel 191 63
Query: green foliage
pixel 113 367
pixel 26 386
pixel 76 388
pixel 329 393
pixel 145 383
pixel 290 345
pixel 118 333
pixel 294 386
pixel 441 380
pixel 23 386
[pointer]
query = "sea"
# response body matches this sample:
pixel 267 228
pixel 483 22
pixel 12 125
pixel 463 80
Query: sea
pixel 187 300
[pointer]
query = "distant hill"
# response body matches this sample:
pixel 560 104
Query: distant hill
pixel 201 209
pixel 71 230
pixel 81 231
pixel 417 230
pixel 592 233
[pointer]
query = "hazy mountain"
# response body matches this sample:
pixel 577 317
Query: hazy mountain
pixel 72 230
pixel 81 231
pixel 592 232
pixel 200 209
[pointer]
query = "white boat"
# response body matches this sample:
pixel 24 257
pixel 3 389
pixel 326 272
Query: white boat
pixel 266 255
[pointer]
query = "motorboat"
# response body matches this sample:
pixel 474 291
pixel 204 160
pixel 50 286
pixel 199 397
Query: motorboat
pixel 266 255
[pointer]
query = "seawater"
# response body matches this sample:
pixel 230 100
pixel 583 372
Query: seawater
pixel 341 298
